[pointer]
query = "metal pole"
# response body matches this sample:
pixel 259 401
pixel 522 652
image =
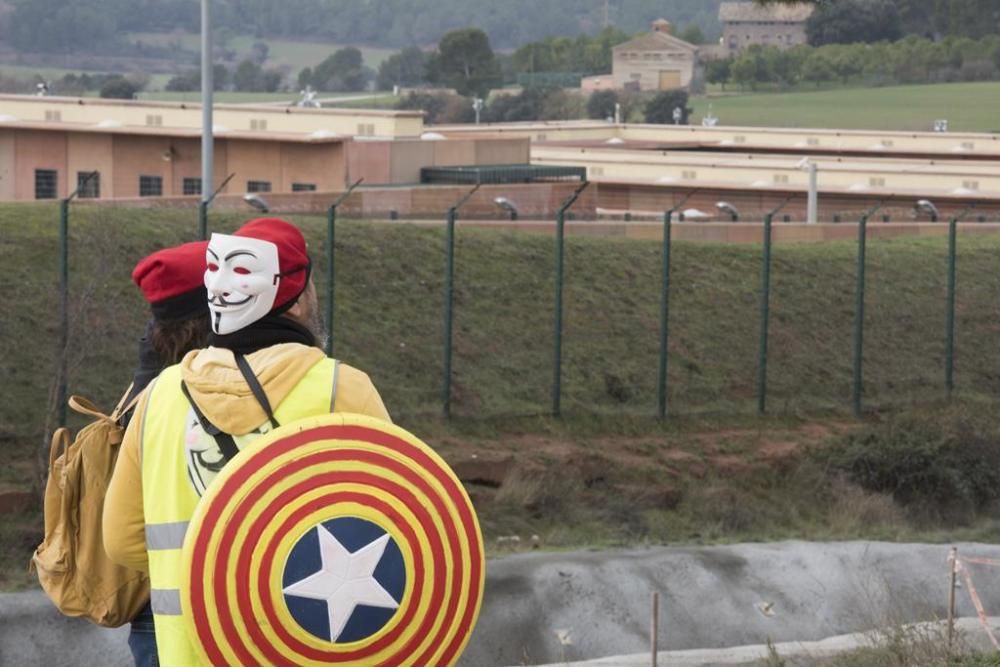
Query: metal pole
pixel 557 351
pixel 449 297
pixel 813 203
pixel 664 314
pixel 949 345
pixel 953 567
pixel 560 260
pixel 207 145
pixel 859 318
pixel 765 316
pixel 331 223
pixel 62 393
pixel 203 220
pixel 654 630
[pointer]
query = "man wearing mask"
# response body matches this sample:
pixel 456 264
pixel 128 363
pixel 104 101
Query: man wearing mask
pixel 264 368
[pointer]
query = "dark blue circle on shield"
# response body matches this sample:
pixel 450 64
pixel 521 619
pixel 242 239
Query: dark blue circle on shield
pixel 319 597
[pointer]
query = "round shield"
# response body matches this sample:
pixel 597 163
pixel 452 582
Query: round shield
pixel 334 540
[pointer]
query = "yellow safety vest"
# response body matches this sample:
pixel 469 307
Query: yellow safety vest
pixel 169 497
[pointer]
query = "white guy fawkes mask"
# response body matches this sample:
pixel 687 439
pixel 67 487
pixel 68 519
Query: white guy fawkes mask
pixel 242 280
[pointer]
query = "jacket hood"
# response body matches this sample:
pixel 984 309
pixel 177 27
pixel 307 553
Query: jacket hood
pixel 223 395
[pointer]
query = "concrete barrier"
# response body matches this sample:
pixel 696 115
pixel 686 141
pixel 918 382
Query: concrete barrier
pixel 564 607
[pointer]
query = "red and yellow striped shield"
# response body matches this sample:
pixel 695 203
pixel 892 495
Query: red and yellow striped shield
pixel 334 540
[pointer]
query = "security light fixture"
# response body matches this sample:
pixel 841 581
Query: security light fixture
pixel 694 215
pixel 925 206
pixel 729 209
pixel 508 206
pixel 257 202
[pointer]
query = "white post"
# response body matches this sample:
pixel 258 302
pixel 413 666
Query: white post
pixel 654 630
pixel 813 203
pixel 207 146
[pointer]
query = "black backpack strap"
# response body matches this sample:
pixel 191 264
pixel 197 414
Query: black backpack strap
pixel 255 387
pixel 227 445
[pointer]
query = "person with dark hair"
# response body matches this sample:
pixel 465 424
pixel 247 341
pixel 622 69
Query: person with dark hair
pixel 264 367
pixel 172 282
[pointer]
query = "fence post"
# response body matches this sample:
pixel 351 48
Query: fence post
pixel 205 203
pixel 857 386
pixel 953 575
pixel 859 318
pixel 449 297
pixel 557 343
pixel 949 352
pixel 664 315
pixel 331 223
pixel 765 317
pixel 62 393
pixel 331 226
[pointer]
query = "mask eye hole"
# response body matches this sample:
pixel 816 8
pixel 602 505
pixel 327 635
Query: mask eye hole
pixel 242 271
pixel 213 267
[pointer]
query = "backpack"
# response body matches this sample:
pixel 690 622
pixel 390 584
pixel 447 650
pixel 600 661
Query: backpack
pixel 72 566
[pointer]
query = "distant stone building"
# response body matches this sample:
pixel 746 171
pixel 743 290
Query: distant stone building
pixel 654 61
pixel 748 23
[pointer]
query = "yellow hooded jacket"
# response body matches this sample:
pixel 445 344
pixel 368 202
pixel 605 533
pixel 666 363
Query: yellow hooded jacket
pixel 161 492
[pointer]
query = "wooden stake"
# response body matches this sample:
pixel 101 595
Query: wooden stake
pixel 953 566
pixel 654 630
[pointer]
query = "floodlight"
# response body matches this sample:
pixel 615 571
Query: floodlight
pixel 257 202
pixel 728 208
pixel 694 215
pixel 508 206
pixel 925 206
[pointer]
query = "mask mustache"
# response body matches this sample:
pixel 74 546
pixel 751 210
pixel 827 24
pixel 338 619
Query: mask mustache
pixel 220 301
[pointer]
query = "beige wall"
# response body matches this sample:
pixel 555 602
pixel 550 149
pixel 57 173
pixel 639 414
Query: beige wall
pixel 91 152
pixel 738 36
pixel 8 166
pixel 39 150
pixel 236 118
pixel 645 67
pixel 322 165
pixel 140 156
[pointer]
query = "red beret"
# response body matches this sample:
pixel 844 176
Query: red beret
pixel 293 257
pixel 172 280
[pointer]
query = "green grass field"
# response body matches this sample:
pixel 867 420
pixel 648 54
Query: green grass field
pixel 969 107
pixel 607 473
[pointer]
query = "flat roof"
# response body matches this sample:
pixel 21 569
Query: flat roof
pixel 172 132
pixel 254 108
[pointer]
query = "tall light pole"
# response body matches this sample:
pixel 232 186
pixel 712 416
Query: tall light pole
pixel 207 146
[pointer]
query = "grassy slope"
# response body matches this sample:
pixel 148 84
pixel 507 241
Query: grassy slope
pixel 607 473
pixel 967 106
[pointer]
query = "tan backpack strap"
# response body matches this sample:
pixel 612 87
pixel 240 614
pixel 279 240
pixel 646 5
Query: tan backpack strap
pixel 86 407
pixel 121 408
pixel 61 441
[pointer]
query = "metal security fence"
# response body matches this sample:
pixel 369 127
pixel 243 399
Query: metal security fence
pixel 541 328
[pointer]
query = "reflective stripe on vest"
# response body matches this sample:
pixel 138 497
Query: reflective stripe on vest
pixel 169 497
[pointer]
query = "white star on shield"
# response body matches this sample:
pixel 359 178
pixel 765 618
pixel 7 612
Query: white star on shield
pixel 345 580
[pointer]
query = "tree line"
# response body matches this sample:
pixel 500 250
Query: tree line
pixel 910 60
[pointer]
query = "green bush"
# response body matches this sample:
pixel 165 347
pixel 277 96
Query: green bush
pixel 939 463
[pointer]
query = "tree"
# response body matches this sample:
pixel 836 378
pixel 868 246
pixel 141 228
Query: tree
pixel 661 108
pixel 119 88
pixel 693 35
pixel 259 52
pixel 251 77
pixel 406 68
pixel 849 21
pixel 601 104
pixel 717 71
pixel 818 68
pixel 465 62
pixel 191 81
pixel 344 70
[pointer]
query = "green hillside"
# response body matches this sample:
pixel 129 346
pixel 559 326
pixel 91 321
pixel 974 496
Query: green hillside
pixel 607 473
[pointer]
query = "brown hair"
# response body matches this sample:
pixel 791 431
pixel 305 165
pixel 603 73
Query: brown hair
pixel 172 339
